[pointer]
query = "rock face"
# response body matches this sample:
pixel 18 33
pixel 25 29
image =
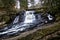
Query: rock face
pixel 35 4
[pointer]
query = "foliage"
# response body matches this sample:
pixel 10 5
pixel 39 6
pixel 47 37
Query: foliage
pixel 1 4
pixel 53 5
pixel 8 3
pixel 23 4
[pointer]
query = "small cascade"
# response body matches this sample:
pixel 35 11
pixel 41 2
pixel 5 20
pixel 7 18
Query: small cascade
pixel 30 21
pixel 16 20
pixel 14 28
pixel 29 17
pixel 35 4
pixel 29 3
pixel 17 4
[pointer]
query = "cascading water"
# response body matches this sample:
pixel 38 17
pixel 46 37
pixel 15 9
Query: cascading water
pixel 17 4
pixel 35 3
pixel 30 21
pixel 16 27
pixel 29 17
pixel 29 3
pixel 16 20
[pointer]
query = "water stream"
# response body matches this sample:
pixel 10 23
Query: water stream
pixel 16 26
pixel 28 20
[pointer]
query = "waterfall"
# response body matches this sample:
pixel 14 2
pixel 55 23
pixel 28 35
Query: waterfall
pixel 50 17
pixel 35 3
pixel 29 3
pixel 14 28
pixel 30 20
pixel 29 17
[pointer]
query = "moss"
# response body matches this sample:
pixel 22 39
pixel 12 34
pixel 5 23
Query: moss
pixel 5 18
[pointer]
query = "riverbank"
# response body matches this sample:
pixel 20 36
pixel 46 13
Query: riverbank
pixel 37 33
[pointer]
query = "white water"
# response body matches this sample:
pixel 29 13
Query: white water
pixel 16 20
pixel 29 3
pixel 29 18
pixel 17 4
pixel 35 3
pixel 50 17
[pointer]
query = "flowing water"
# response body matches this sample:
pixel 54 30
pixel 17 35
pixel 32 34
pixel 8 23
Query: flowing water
pixel 28 20
pixel 22 23
pixel 17 5
pixel 16 26
pixel 35 3
pixel 16 20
